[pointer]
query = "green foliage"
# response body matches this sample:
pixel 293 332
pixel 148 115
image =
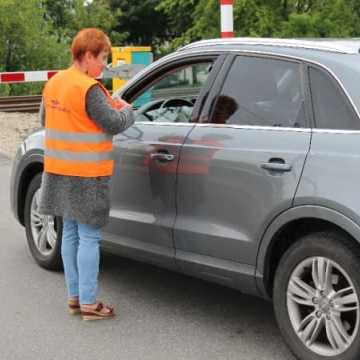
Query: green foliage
pixel 266 18
pixel 69 16
pixel 331 18
pixel 177 12
pixel 36 34
pixel 25 41
pixel 141 22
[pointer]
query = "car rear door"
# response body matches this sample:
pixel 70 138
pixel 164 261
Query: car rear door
pixel 240 167
pixel 143 203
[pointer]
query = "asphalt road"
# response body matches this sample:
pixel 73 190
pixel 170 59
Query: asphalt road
pixel 161 314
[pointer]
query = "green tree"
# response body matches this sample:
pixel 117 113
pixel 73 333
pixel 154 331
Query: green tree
pixel 178 13
pixel 266 18
pixel 69 16
pixel 142 23
pixel 331 18
pixel 36 34
pixel 26 42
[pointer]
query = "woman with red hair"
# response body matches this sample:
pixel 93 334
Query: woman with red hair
pixel 80 118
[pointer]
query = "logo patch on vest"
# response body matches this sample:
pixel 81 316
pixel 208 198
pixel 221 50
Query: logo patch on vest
pixel 56 105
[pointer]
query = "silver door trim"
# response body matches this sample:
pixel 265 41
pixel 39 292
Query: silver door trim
pixel 335 131
pixel 245 127
pixel 255 127
pixel 164 123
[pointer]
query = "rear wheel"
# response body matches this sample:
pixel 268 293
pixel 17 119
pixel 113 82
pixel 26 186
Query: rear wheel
pixel 43 232
pixel 316 297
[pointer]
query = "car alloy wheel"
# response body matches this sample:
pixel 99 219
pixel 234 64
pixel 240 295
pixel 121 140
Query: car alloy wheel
pixel 316 296
pixel 323 306
pixel 43 228
pixel 43 233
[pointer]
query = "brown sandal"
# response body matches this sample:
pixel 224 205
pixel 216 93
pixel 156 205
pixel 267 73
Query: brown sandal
pixel 97 314
pixel 73 306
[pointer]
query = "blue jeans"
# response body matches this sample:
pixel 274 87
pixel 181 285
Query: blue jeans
pixel 80 254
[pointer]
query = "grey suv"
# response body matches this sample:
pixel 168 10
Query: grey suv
pixel 243 168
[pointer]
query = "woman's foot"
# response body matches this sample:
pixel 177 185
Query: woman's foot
pixel 74 305
pixel 97 311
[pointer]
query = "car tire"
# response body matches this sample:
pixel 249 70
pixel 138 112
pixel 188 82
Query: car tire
pixel 316 297
pixel 43 232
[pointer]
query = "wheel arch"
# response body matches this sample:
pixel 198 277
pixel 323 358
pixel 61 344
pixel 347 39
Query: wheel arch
pixel 287 228
pixel 33 164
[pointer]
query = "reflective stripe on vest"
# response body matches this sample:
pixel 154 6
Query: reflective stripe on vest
pixel 79 156
pixel 77 137
pixel 74 144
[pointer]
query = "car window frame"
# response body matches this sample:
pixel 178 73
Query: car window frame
pixel 209 106
pixel 159 72
pixel 338 86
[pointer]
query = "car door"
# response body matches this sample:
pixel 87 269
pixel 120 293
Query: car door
pixel 146 158
pixel 240 167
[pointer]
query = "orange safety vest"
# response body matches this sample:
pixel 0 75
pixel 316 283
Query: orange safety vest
pixel 74 144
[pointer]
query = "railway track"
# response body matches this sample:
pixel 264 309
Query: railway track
pixel 29 104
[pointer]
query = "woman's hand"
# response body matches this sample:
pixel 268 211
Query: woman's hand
pixel 120 103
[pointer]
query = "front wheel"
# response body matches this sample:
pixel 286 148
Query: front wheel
pixel 316 297
pixel 43 232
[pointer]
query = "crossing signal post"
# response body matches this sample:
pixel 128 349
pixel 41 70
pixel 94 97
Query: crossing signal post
pixel 227 18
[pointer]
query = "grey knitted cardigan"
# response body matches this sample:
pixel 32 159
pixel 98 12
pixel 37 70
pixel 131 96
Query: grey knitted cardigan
pixel 85 200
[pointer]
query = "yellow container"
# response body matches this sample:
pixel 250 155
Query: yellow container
pixel 129 55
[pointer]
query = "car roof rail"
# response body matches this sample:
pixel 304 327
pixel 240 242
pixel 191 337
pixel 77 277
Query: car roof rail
pixel 343 46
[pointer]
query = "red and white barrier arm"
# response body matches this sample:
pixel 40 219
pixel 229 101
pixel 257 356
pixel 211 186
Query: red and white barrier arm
pixel 25 76
pixel 227 18
pixel 123 71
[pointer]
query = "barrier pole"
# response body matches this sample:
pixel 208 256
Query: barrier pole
pixel 227 18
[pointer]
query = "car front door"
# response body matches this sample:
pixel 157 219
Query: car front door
pixel 143 205
pixel 240 168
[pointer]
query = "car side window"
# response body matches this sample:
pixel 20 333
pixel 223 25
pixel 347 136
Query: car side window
pixel 331 108
pixel 262 92
pixel 171 98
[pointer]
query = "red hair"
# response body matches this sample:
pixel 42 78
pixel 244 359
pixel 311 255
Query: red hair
pixel 90 39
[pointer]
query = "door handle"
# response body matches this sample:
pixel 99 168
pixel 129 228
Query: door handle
pixel 162 156
pixel 276 164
